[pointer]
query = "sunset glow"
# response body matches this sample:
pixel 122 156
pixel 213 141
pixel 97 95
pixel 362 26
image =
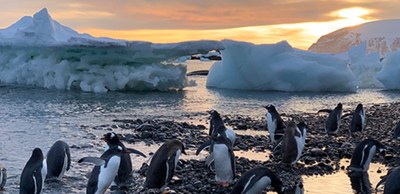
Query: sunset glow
pixel 257 21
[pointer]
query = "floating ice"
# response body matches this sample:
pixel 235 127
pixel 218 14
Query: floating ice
pixel 279 67
pixel 390 73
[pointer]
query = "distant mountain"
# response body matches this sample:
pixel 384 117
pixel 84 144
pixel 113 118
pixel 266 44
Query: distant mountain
pixel 382 36
pixel 43 30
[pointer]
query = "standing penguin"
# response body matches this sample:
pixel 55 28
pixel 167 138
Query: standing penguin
pixel 293 144
pixel 163 164
pixel 358 122
pixel 3 177
pixel 224 159
pixel 33 174
pixel 396 133
pixel 256 180
pixel 332 124
pixel 391 181
pixel 275 123
pixel 125 167
pixel 106 168
pixel 363 154
pixel 217 127
pixel 58 160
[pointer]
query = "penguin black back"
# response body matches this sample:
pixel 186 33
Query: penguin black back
pixel 392 185
pixel 248 180
pixel 363 154
pixel 33 174
pixel 58 159
pixel 125 167
pixel 163 163
pixel 290 145
pixel 332 124
pixel 358 121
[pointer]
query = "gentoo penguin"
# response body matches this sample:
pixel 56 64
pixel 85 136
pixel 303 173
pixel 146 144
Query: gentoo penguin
pixel 217 127
pixel 3 177
pixel 256 180
pixel 332 124
pixel 363 154
pixel 358 122
pixel 275 123
pixel 125 167
pixel 396 133
pixel 33 174
pixel 58 160
pixel 106 168
pixel 224 159
pixel 163 164
pixel 391 181
pixel 293 144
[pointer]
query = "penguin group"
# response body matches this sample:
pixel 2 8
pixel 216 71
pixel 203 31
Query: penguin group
pixel 114 165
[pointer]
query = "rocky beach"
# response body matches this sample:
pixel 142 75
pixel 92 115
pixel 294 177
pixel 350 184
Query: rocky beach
pixel 321 156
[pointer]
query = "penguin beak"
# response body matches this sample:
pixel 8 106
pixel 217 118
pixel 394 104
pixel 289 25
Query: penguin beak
pixel 130 150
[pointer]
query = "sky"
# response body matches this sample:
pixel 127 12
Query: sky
pixel 300 22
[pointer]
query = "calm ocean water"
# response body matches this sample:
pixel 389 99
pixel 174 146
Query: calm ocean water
pixel 35 117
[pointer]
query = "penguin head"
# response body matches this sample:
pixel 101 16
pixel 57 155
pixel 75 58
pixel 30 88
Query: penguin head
pixel 339 106
pixel 359 106
pixel 37 153
pixel 111 138
pixel 214 114
pixel 270 108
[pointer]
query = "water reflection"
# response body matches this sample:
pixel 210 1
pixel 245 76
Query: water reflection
pixel 360 182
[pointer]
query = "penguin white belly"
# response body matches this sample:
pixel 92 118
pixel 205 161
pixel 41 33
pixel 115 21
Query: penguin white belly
pixel 363 122
pixel 300 147
pixel 43 171
pixel 271 124
pixel 178 153
pixel 107 175
pixel 222 163
pixel 231 135
pixel 260 185
pixel 64 168
pixel 371 154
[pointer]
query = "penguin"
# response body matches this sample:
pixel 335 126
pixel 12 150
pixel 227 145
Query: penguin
pixel 391 180
pixel 275 124
pixel 33 174
pixel 125 167
pixel 358 122
pixel 363 154
pixel 3 177
pixel 396 133
pixel 224 159
pixel 58 160
pixel 106 168
pixel 163 164
pixel 302 126
pixel 293 144
pixel 217 126
pixel 332 124
pixel 256 180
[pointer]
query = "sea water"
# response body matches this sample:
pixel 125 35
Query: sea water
pixel 35 117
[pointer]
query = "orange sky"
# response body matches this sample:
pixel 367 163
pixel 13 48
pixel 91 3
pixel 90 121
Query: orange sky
pixel 300 22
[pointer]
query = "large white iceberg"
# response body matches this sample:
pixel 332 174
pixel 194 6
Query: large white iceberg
pixel 279 67
pixel 39 51
pixel 390 73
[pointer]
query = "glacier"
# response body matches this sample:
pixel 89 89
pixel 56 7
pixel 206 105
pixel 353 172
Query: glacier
pixel 279 67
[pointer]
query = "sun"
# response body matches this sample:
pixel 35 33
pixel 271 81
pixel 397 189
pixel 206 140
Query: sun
pixel 352 16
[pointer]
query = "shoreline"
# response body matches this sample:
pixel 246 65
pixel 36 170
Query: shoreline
pixel 321 156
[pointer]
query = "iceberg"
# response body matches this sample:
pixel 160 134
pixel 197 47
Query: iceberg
pixel 39 51
pixel 389 76
pixel 279 67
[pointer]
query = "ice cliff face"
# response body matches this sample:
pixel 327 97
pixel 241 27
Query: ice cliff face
pixel 380 36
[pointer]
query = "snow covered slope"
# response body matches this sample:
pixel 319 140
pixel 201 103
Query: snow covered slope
pixel 381 36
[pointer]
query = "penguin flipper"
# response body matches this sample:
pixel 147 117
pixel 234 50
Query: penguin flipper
pixel 69 159
pixel 204 145
pixel 325 110
pixel 37 174
pixel 131 150
pixel 346 115
pixel 95 160
pixel 170 168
